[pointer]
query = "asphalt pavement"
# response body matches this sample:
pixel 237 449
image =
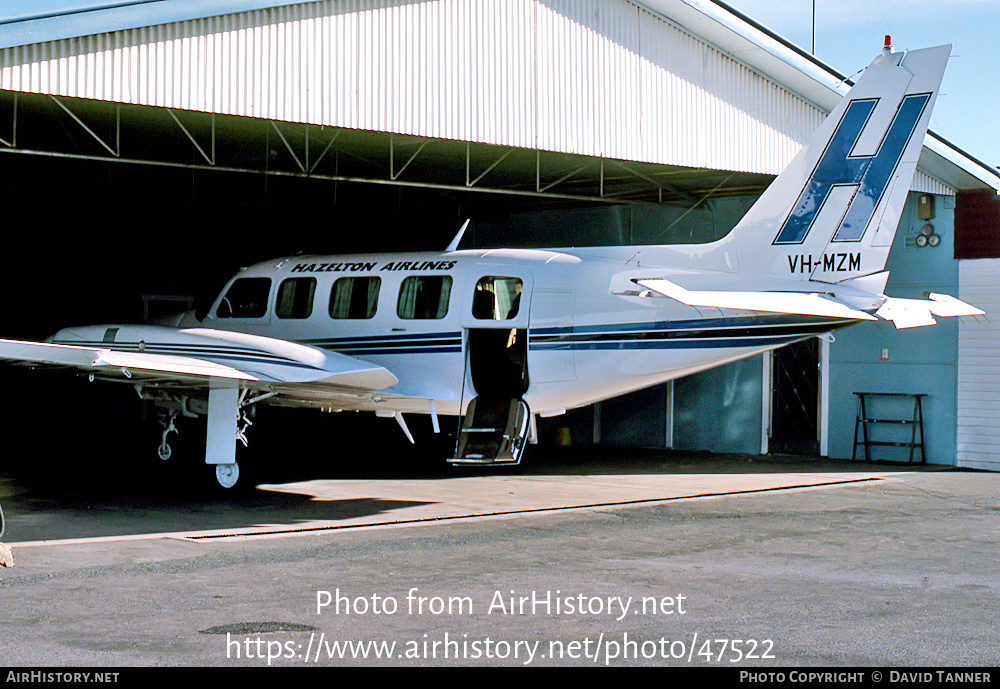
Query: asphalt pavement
pixel 583 558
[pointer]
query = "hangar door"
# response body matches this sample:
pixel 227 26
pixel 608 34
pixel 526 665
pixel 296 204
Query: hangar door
pixel 978 433
pixel 795 389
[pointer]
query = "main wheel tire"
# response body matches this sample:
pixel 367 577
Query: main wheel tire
pixel 227 474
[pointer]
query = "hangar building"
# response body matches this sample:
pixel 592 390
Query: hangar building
pixel 158 146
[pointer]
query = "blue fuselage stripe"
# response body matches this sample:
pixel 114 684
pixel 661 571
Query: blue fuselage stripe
pixel 714 343
pixel 717 333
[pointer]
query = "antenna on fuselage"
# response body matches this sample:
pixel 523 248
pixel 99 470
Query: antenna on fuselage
pixel 458 237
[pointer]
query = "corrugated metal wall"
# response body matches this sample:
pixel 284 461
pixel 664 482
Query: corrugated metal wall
pixel 593 77
pixel 978 377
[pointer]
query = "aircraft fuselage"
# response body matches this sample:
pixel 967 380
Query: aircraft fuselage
pixel 592 333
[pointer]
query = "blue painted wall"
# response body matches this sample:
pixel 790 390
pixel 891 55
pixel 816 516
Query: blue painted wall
pixel 921 360
pixel 720 409
pixel 638 419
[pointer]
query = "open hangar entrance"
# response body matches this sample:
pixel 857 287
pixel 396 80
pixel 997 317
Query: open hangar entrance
pixel 525 115
pixel 126 212
pixel 127 181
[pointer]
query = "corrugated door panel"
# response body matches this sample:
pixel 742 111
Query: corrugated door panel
pixel 593 77
pixel 978 442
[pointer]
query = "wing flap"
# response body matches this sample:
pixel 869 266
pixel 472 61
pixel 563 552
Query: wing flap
pixel 167 364
pixel 46 353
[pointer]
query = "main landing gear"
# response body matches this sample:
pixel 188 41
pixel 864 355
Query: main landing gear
pixel 164 451
pixel 229 412
pixel 227 474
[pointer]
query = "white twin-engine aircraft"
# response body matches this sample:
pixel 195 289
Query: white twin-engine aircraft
pixel 500 336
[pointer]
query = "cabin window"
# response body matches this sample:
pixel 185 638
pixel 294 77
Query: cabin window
pixel 246 298
pixel 295 298
pixel 424 297
pixel 496 298
pixel 355 297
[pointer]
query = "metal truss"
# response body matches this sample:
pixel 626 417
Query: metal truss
pixel 40 124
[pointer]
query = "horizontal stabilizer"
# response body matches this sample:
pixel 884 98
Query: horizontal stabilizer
pixel 806 304
pixel 913 313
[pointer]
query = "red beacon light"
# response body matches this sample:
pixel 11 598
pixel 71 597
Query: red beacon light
pixel 887 48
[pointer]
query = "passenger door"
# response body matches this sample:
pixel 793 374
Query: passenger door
pixel 495 317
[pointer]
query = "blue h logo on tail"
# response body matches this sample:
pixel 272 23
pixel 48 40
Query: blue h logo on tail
pixel 837 167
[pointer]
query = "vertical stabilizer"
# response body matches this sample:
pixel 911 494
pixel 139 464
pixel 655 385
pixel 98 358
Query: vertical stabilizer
pixel 832 214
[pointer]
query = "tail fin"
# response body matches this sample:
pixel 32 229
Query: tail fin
pixel 832 214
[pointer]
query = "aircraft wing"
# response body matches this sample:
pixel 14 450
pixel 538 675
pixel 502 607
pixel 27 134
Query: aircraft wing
pixel 194 356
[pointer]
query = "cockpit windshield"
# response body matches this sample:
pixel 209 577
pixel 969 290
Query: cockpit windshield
pixel 246 298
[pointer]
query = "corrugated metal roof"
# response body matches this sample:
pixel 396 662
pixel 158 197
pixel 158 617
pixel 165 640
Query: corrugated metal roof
pixel 22 23
pixel 811 78
pixel 595 78
pixel 582 86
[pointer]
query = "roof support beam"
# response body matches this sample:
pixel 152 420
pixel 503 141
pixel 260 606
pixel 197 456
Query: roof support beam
pixel 693 206
pixel 571 173
pixel 298 162
pixel 13 128
pixel 660 185
pixel 312 168
pixel 118 121
pixel 393 173
pixel 468 165
pixel 332 178
pixel 167 137
pixel 210 159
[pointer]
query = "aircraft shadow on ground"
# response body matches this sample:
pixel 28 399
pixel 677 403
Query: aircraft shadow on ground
pixel 105 498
